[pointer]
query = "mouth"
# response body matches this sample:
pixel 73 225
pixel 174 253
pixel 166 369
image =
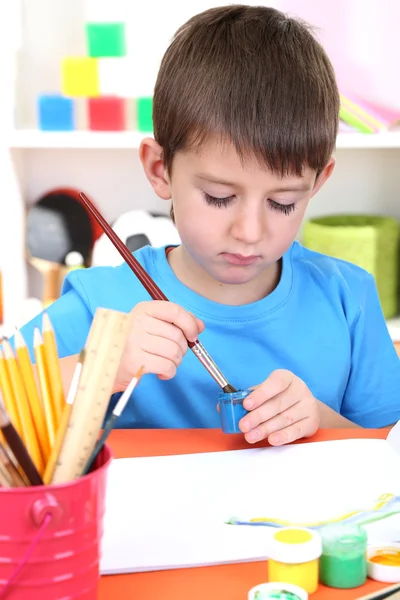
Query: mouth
pixel 240 259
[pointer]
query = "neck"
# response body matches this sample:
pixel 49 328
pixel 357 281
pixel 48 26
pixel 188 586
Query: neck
pixel 193 276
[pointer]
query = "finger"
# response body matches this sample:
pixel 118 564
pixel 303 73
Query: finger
pixel 296 419
pixel 162 367
pixel 275 384
pixel 200 325
pixel 173 313
pixel 304 428
pixel 162 347
pixel 162 329
pixel 268 410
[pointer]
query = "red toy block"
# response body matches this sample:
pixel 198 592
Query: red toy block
pixel 106 113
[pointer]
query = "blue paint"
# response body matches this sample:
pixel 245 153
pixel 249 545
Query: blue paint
pixel 231 410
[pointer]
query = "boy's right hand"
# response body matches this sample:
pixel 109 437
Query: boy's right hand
pixel 157 340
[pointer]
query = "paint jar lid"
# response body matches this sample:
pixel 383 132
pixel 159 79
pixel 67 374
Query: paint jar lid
pixel 383 562
pixel 277 591
pixel 343 539
pixel 234 397
pixel 295 545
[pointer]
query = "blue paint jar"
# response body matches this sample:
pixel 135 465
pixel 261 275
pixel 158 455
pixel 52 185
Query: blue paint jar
pixel 231 410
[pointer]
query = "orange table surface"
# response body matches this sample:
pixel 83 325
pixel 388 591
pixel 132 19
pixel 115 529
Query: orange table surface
pixel 226 582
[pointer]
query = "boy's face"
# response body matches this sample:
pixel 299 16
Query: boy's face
pixel 235 220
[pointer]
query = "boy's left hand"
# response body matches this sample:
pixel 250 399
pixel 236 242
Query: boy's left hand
pixel 282 409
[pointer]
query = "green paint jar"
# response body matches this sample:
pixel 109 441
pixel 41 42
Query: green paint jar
pixel 343 563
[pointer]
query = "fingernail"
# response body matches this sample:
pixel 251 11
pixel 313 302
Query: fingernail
pixel 254 435
pixel 245 426
pixel 275 440
pixel 248 403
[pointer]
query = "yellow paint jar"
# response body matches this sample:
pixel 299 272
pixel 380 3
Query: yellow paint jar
pixel 293 557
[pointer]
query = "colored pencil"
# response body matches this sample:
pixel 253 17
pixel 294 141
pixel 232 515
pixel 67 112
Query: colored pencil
pixel 25 417
pixel 44 384
pixel 17 447
pixel 25 365
pixel 53 369
pixel 8 394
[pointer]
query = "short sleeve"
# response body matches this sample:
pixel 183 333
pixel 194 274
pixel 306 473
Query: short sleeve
pixel 372 397
pixel 71 321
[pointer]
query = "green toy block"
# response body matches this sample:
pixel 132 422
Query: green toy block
pixel 144 114
pixel 106 39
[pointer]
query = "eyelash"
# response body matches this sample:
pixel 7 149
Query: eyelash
pixel 220 202
pixel 286 209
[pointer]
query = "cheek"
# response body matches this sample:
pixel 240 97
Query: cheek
pixel 284 231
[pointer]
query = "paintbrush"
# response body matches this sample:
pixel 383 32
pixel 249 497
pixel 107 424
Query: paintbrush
pixel 17 447
pixel 389 593
pixel 155 292
pixel 118 408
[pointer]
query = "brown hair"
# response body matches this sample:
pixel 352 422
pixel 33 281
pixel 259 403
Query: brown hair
pixel 253 76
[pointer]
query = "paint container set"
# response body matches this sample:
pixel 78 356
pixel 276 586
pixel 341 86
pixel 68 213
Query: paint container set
pixel 336 555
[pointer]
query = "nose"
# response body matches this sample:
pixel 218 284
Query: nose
pixel 247 226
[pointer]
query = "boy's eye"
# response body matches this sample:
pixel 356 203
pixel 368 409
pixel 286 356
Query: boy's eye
pixel 220 202
pixel 284 208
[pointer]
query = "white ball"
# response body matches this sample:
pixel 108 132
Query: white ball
pixel 135 228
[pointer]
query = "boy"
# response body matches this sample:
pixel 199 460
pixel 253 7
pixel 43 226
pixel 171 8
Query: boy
pixel 245 122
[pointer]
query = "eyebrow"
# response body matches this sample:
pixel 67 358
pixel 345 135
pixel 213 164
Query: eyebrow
pixel 304 187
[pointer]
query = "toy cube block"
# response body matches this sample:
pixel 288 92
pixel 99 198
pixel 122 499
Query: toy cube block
pixel 55 113
pixel 80 77
pixel 106 39
pixel 144 114
pixel 107 114
pixel 117 77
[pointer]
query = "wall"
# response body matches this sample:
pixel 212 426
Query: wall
pixel 360 36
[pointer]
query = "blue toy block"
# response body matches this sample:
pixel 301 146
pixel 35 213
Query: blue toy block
pixel 56 113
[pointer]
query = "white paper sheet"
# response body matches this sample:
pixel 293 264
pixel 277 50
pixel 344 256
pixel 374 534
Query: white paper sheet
pixel 170 512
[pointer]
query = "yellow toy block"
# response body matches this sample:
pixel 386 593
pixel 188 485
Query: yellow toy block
pixel 80 77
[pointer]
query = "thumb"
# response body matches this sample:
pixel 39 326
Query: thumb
pixel 200 325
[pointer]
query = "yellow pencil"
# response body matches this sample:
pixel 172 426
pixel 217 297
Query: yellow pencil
pixel 8 395
pixel 62 428
pixel 44 385
pixel 32 392
pixel 53 368
pixel 25 415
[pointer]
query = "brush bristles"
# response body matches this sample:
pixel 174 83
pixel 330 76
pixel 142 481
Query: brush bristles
pixel 229 389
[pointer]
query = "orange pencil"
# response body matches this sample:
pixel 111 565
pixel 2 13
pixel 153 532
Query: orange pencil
pixel 28 431
pixel 32 392
pixel 53 368
pixel 8 395
pixel 44 384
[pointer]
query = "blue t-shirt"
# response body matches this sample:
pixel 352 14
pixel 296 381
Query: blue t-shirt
pixel 323 322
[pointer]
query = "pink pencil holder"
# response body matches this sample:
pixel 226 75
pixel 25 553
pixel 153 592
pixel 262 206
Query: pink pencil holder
pixel 50 538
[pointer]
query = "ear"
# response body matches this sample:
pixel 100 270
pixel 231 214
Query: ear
pixel 151 156
pixel 323 176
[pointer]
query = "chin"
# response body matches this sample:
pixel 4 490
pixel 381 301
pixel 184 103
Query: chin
pixel 232 278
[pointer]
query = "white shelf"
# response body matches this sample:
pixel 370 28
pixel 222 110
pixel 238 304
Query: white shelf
pixel 36 139
pixel 368 140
